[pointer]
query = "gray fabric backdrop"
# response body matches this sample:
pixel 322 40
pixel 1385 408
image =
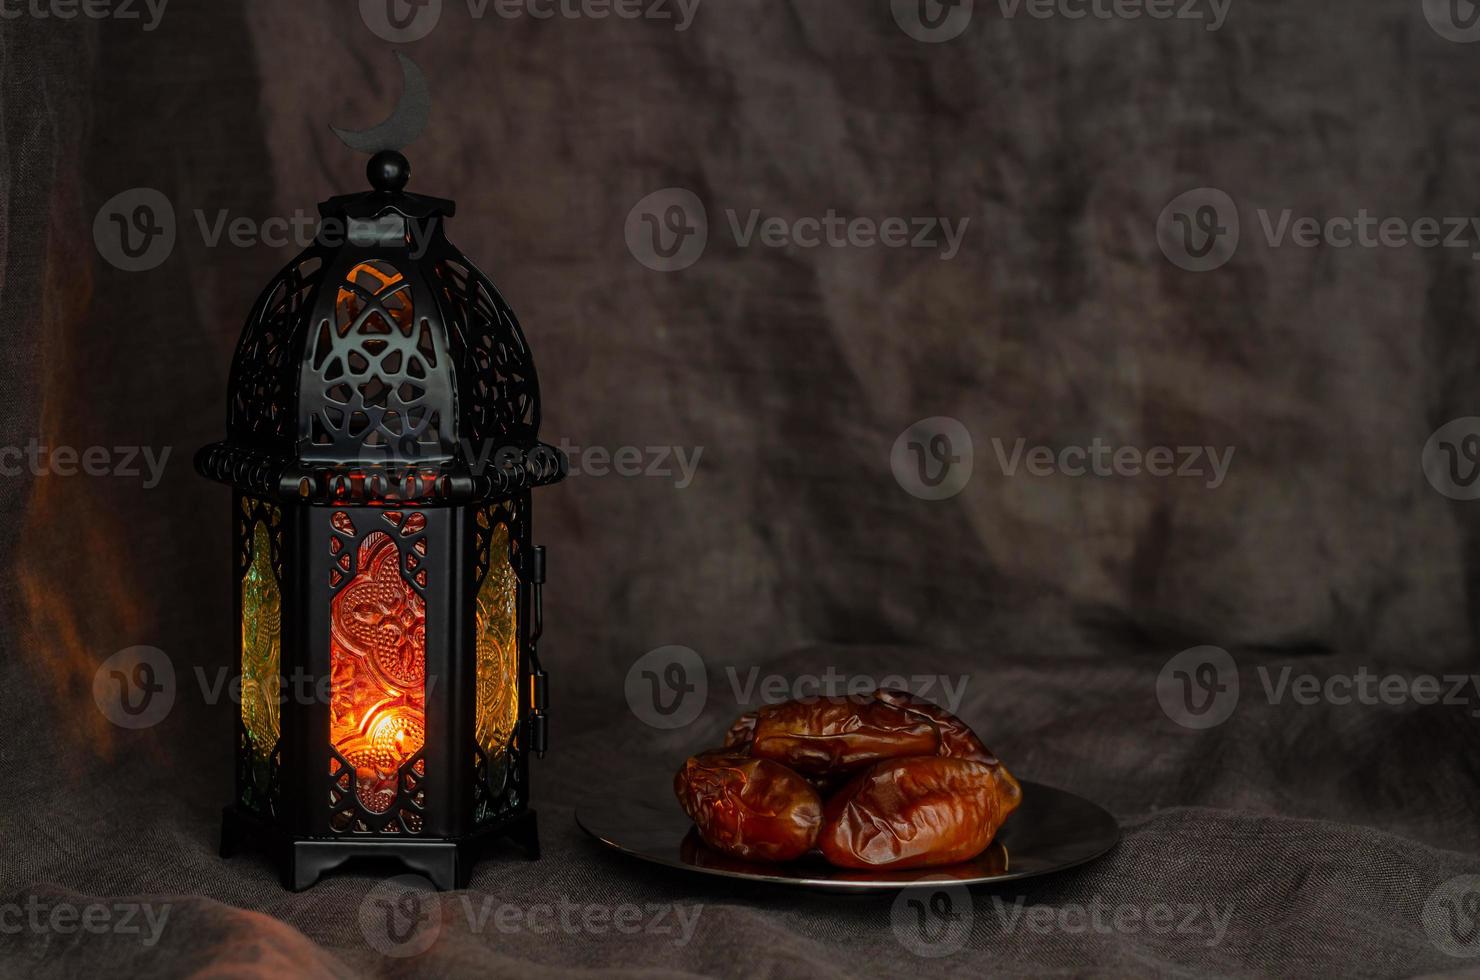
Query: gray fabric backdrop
pixel 1318 834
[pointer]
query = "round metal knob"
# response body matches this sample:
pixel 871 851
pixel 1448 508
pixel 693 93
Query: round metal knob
pixel 388 171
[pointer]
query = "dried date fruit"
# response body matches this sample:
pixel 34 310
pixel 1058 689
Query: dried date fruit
pixel 753 809
pixel 741 733
pixel 826 738
pixel 913 813
pixel 957 741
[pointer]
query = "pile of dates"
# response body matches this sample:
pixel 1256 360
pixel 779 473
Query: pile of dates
pixel 880 781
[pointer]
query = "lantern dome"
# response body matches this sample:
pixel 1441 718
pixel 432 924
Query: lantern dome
pixel 381 366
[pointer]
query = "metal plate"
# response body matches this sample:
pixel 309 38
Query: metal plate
pixel 1051 831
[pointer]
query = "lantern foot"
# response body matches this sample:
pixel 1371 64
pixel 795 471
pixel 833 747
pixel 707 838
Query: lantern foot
pixel 437 861
pixel 447 863
pixel 524 831
pixel 521 829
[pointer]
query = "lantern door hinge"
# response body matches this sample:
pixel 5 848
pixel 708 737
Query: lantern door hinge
pixel 539 693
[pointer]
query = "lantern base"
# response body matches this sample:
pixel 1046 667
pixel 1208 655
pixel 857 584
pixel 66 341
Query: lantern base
pixel 448 863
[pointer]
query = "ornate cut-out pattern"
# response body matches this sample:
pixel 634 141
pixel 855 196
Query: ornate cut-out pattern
pixel 372 388
pixel 378 667
pixel 498 388
pixel 264 373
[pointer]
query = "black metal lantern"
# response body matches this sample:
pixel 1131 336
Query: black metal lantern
pixel 382 444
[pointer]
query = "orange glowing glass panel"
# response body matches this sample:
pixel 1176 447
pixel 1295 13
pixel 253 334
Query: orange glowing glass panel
pixel 377 626
pixel 262 630
pixel 374 283
pixel 497 645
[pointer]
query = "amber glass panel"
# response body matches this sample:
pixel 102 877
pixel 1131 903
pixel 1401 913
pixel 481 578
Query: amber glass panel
pixel 262 630
pixel 376 287
pixel 378 666
pixel 498 648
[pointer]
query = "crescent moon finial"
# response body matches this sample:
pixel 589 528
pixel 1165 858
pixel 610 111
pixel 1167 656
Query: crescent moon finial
pixel 404 124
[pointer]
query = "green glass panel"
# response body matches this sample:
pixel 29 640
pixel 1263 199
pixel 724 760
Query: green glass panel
pixel 262 630
pixel 498 648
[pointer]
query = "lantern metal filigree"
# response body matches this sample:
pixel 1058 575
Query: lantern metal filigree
pixel 382 444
